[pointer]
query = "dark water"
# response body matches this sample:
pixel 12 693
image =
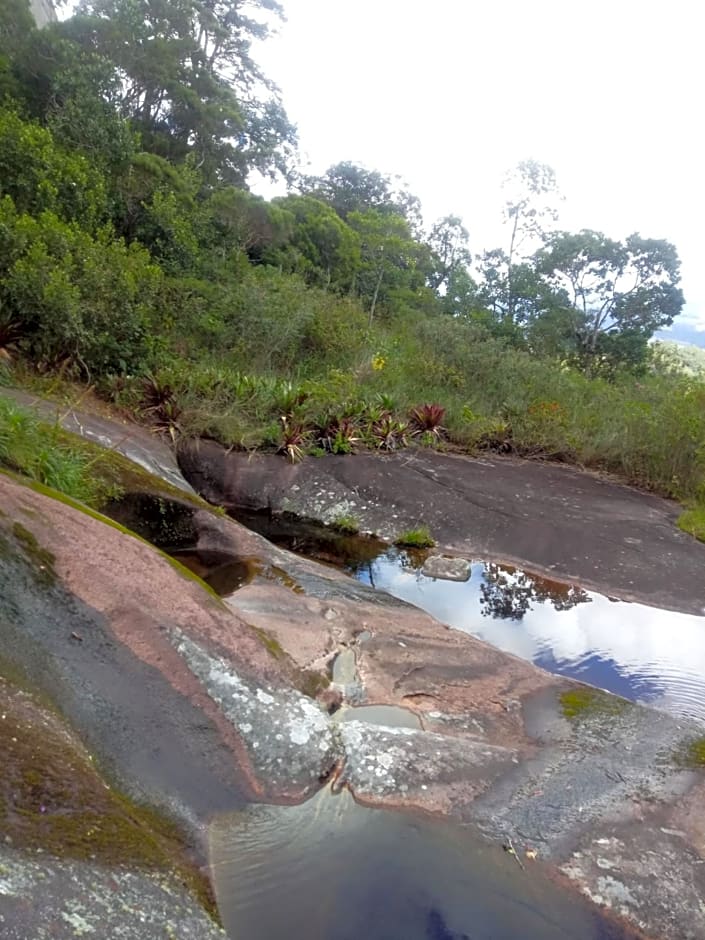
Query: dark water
pixel 643 653
pixel 219 571
pixel 332 870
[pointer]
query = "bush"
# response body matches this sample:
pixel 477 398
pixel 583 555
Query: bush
pixel 40 177
pixel 82 301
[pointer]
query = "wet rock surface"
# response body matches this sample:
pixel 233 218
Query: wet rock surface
pixel 76 857
pixel 568 524
pixel 289 738
pixel 45 898
pixel 172 690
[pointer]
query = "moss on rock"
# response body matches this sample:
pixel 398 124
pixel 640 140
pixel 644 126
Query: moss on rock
pixel 585 702
pixel 53 798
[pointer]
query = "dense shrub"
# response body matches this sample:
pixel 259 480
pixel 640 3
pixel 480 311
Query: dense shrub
pixel 40 177
pixel 87 302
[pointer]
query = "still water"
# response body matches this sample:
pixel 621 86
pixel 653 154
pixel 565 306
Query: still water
pixel 332 870
pixel 642 653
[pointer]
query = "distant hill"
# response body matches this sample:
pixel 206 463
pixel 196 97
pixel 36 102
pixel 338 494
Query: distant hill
pixel 683 333
pixel 681 356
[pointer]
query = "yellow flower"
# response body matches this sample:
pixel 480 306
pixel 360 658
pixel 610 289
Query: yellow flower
pixel 378 362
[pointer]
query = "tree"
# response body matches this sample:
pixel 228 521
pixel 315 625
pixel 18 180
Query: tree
pixel 243 222
pixel 529 211
pixel 70 90
pixel 350 188
pixel 614 295
pixel 188 81
pixel 390 257
pixel 40 176
pixel 321 247
pixel 450 254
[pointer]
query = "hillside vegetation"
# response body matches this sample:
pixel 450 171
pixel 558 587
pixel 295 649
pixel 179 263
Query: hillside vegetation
pixel 133 258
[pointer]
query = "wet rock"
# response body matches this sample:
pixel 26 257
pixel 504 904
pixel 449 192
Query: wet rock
pixel 289 738
pixel 77 858
pixel 447 568
pixel 652 878
pixel 124 687
pixel 437 772
pixel 45 898
pixel 570 525
pixel 181 695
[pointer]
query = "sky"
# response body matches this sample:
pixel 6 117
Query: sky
pixel 451 94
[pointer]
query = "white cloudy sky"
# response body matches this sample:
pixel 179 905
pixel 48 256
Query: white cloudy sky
pixel 450 94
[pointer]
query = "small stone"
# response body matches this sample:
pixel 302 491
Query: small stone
pixel 447 569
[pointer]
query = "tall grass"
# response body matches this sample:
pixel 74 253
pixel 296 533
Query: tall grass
pixel 42 452
pixel 289 352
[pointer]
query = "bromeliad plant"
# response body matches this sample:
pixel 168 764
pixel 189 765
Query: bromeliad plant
pixel 294 439
pixel 160 405
pixel 390 434
pixel 340 435
pixel 428 420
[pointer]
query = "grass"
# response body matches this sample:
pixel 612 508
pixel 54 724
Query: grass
pixel 346 524
pixel 46 454
pixel 415 538
pixel 692 521
pixel 646 429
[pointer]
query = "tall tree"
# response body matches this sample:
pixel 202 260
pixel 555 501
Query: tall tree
pixel 450 253
pixel 188 80
pixel 614 295
pixel 390 257
pixel 321 247
pixel 530 210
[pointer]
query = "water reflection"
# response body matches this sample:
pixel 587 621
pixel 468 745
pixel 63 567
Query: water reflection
pixel 646 654
pixel 509 593
pixel 335 870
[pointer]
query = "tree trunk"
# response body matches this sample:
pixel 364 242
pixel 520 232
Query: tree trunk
pixel 375 295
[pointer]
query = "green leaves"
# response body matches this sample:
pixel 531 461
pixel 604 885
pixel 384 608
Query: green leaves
pixel 87 301
pixel 40 176
pixel 188 82
pixel 617 293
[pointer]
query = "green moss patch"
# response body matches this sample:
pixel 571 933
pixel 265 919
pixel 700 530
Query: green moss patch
pixel 52 798
pixel 41 558
pixel 692 521
pixel 415 538
pixel 584 702
pixel 691 754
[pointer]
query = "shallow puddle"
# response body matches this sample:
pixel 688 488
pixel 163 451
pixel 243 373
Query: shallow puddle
pixel 335 870
pixel 642 653
pixel 390 716
pixel 221 572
